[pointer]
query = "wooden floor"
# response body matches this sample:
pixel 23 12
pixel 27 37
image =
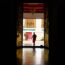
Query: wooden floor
pixel 30 56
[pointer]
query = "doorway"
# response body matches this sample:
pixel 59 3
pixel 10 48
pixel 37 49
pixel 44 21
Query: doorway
pixel 29 27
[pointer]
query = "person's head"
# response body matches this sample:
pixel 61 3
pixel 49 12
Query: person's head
pixel 34 33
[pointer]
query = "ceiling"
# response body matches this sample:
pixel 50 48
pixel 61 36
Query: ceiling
pixel 34 7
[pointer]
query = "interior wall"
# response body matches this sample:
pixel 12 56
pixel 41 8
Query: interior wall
pixel 46 41
pixel 46 24
pixel 33 15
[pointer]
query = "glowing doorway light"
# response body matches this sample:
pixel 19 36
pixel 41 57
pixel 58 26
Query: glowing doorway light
pixel 39 32
pixel 38 25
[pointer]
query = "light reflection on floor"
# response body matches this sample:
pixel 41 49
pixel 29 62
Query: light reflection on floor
pixel 31 56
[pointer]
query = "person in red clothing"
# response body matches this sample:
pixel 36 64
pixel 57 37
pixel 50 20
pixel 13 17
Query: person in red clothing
pixel 34 38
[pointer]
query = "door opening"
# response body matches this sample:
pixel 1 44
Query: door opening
pixel 29 27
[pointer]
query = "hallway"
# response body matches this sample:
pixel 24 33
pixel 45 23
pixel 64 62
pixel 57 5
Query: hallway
pixel 30 56
pixel 35 20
